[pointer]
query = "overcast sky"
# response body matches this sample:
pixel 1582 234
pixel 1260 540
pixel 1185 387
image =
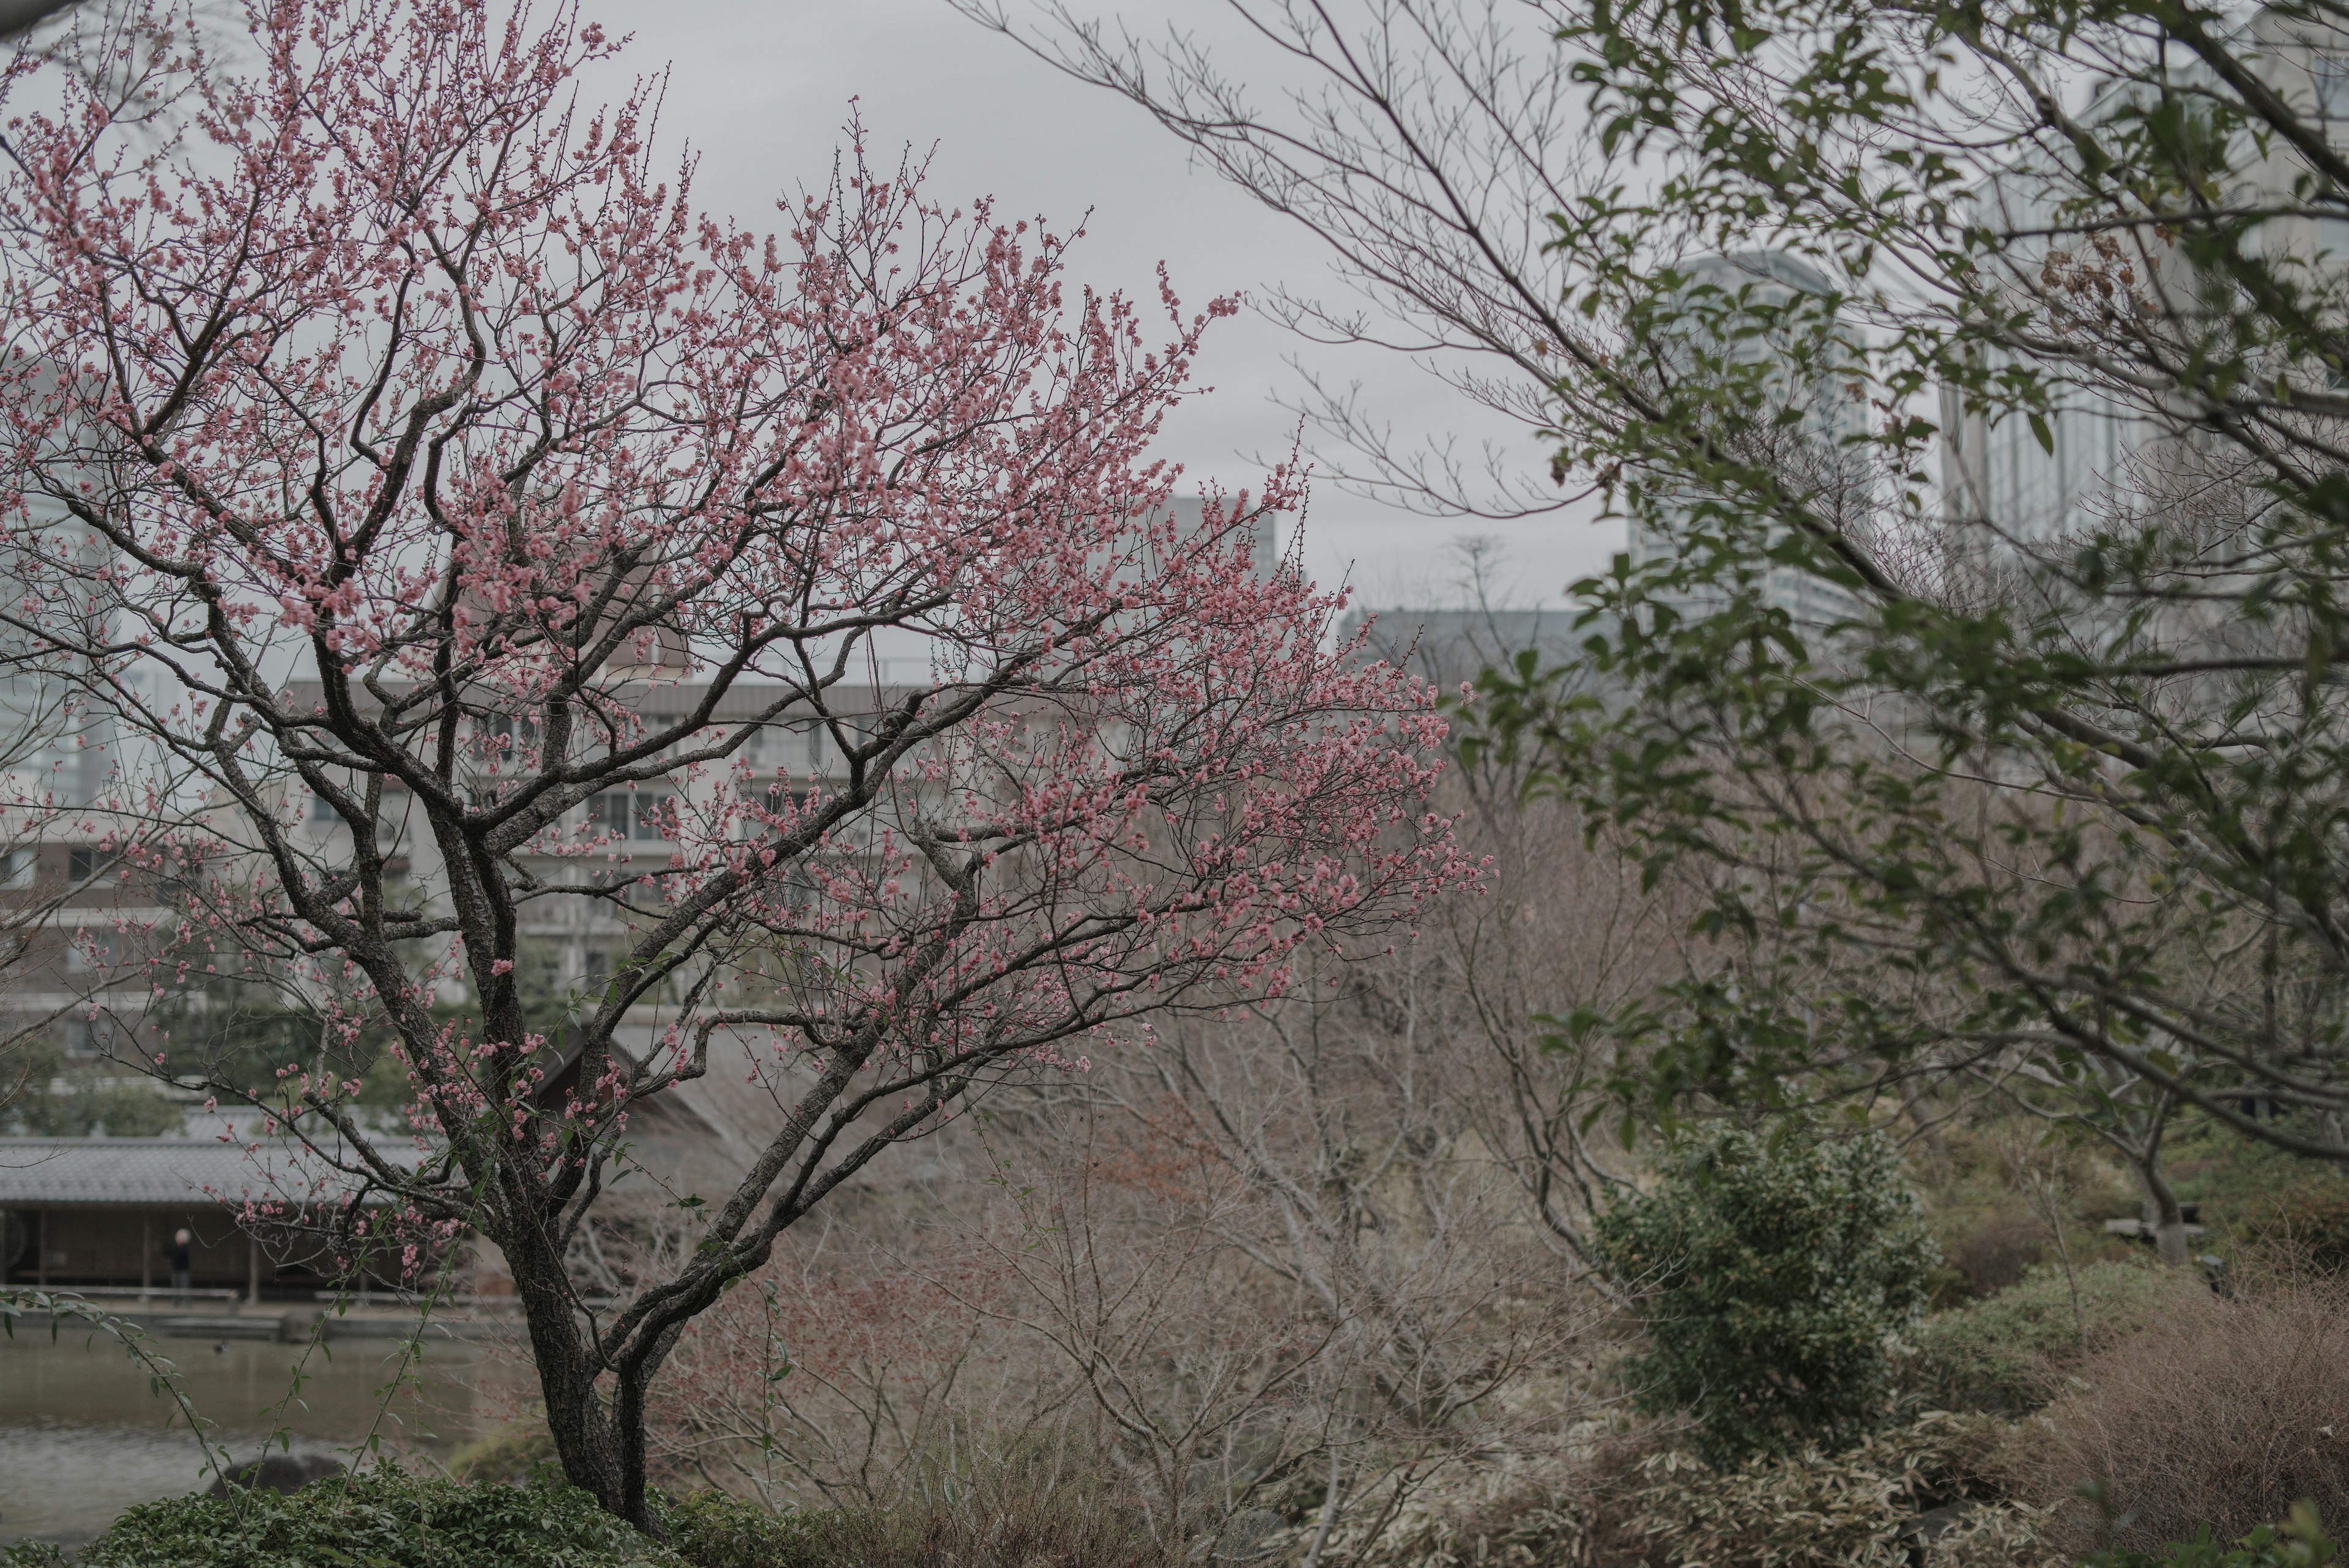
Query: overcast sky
pixel 762 87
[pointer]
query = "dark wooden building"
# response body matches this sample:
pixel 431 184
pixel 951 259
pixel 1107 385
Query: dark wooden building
pixel 96 1211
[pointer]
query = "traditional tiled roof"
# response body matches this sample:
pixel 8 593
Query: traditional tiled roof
pixel 164 1172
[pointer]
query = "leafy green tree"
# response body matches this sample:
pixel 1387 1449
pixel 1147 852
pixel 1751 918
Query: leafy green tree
pixel 2060 781
pixel 250 1029
pixel 57 1099
pixel 1779 1274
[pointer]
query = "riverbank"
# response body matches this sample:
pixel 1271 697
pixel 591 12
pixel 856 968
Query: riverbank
pixel 84 1434
pixel 282 1323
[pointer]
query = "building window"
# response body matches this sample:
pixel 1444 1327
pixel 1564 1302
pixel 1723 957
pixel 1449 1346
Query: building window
pixel 774 799
pixel 800 747
pixel 652 815
pixel 504 736
pixel 94 1037
pixel 87 864
pixel 2332 74
pixel 16 868
pixel 641 814
pixel 89 953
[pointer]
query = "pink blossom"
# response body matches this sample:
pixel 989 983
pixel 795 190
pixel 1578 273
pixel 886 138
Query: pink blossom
pixel 414 375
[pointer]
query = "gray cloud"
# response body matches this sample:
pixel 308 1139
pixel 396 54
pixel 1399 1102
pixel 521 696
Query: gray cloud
pixel 762 90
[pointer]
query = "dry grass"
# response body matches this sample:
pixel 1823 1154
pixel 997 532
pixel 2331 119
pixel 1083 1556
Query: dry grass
pixel 1031 1513
pixel 1997 1251
pixel 2218 1413
pixel 1061 1528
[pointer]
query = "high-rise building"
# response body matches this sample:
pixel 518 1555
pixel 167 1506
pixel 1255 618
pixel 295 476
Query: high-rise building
pixel 74 911
pixel 2093 459
pixel 2002 472
pixel 2071 469
pixel 1812 449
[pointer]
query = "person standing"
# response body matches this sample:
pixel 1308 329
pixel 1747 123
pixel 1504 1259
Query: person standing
pixel 177 1253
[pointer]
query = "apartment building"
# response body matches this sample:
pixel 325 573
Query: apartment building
pixel 1812 450
pixel 2095 457
pixel 618 836
pixel 78 916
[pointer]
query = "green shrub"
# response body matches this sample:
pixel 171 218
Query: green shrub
pixel 1780 1272
pixel 2301 1543
pixel 1997 1354
pixel 513 1453
pixel 711 1529
pixel 383 1518
pixel 56 1098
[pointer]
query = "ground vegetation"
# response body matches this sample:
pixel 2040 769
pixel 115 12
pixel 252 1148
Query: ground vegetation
pixel 2011 838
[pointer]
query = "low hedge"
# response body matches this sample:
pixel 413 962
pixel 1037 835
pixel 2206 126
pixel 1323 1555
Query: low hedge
pixel 388 1518
pixel 711 1529
pixel 381 1518
pixel 1997 1354
pixel 2299 1543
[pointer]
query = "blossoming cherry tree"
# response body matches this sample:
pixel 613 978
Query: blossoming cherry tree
pixel 410 429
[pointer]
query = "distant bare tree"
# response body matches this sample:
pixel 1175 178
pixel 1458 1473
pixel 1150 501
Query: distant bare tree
pixel 1424 145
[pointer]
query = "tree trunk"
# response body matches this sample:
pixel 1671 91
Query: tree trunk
pixel 2163 1212
pixel 1929 1129
pixel 628 1430
pixel 585 1440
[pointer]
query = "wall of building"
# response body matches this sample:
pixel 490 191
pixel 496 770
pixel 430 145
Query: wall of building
pixel 124 1246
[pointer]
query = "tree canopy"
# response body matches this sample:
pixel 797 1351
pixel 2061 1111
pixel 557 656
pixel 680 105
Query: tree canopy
pixel 1971 378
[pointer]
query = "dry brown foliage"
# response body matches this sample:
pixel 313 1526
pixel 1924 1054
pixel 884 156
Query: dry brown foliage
pixel 841 1375
pixel 1270 1271
pixel 1022 1515
pixel 2302 1227
pixel 2219 1413
pixel 1626 1501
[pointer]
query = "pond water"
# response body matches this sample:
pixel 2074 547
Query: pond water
pixel 83 1435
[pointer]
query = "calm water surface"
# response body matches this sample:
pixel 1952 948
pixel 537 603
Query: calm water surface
pixel 83 1437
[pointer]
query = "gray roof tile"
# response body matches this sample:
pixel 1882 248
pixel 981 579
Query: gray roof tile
pixel 62 1172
